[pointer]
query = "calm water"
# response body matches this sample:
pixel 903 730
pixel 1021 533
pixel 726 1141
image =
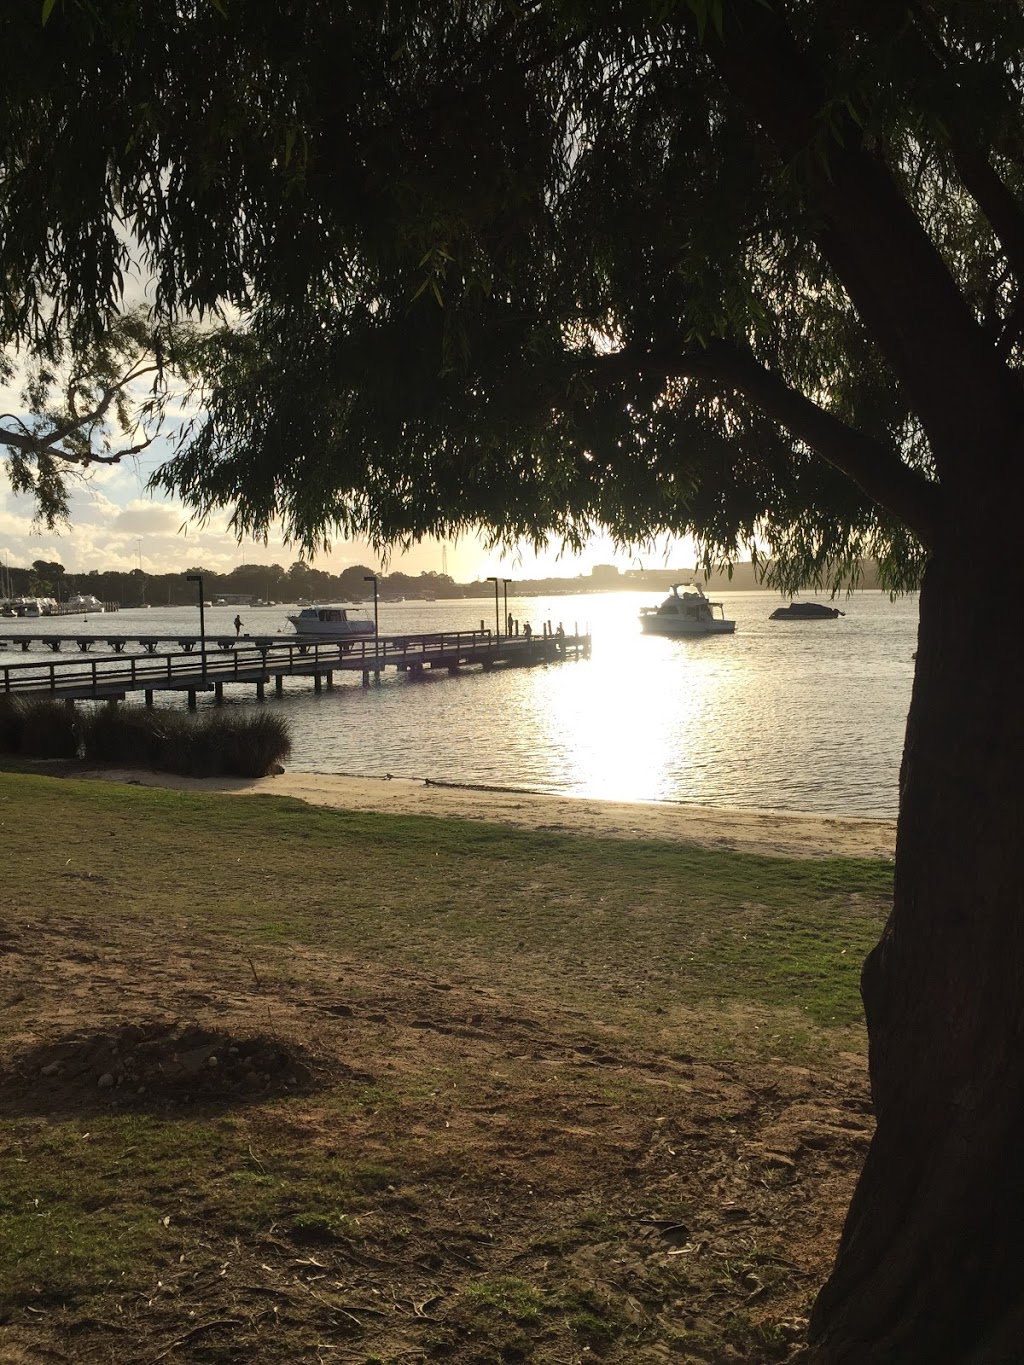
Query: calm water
pixel 778 716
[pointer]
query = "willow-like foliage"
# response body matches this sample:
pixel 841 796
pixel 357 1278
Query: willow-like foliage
pixel 502 265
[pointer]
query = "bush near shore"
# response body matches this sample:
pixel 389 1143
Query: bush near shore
pixel 215 744
pixel 37 729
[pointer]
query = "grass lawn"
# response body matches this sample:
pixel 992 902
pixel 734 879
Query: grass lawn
pixel 284 1083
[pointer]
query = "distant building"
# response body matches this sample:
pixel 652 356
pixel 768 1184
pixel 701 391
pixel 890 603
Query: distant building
pixel 604 573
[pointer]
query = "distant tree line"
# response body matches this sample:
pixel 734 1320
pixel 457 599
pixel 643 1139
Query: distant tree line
pixel 274 583
pixel 271 582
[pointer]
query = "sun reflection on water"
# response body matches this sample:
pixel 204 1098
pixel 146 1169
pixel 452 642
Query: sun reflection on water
pixel 795 717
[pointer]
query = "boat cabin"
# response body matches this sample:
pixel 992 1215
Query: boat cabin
pixel 325 615
pixel 691 604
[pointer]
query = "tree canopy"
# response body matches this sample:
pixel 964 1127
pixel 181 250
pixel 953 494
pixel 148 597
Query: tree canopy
pixel 539 267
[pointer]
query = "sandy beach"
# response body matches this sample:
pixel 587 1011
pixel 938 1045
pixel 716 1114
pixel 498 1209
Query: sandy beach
pixel 781 834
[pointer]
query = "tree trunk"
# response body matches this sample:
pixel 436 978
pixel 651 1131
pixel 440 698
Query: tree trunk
pixel 930 1268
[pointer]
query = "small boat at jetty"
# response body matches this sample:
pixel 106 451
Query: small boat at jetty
pixel 686 613
pixel 31 608
pixel 330 623
pixel 84 602
pixel 806 611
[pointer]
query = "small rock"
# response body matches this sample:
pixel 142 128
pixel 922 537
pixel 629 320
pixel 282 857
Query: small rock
pixel 105 1081
pixel 793 1328
pixel 54 1069
pixel 212 1063
pixel 275 770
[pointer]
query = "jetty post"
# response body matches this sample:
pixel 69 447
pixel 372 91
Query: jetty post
pixel 372 578
pixel 198 578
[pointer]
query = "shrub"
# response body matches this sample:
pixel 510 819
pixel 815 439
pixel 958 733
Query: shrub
pixel 211 745
pixel 122 735
pixel 11 726
pixel 247 744
pixel 37 729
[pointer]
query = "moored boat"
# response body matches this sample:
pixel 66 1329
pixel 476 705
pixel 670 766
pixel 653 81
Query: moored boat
pixel 31 608
pixel 806 611
pixel 686 613
pixel 330 623
pixel 84 603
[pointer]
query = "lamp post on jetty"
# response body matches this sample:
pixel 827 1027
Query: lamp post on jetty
pixel 505 582
pixel 491 578
pixel 198 578
pixel 372 578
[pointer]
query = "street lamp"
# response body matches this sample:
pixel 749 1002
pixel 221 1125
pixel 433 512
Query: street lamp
pixel 198 578
pixel 506 582
pixel 372 578
pixel 492 579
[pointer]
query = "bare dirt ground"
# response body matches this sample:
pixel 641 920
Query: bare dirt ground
pixel 546 1190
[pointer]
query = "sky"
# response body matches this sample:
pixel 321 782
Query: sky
pixel 117 524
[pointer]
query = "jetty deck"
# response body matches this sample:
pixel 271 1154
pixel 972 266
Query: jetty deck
pixel 258 662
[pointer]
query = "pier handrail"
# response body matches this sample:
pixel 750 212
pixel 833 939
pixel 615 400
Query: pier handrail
pixel 249 657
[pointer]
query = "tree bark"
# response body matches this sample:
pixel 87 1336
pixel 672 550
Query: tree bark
pixel 929 1270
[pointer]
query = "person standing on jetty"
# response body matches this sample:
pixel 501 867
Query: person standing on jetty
pixel 238 626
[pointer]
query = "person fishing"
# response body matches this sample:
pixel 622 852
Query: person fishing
pixel 238 626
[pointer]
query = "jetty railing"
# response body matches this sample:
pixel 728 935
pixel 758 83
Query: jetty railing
pixel 256 660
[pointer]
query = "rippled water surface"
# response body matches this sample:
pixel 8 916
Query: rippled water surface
pixel 780 715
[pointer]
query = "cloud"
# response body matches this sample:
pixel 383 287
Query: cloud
pixel 142 518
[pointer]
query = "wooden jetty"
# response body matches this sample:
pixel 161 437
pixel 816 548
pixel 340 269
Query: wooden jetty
pixel 258 662
pixel 118 643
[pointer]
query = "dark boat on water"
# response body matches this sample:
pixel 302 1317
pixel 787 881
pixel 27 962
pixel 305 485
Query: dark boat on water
pixel 806 611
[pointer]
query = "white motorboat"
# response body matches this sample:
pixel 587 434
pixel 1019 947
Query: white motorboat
pixel 84 603
pixel 330 623
pixel 686 613
pixel 33 607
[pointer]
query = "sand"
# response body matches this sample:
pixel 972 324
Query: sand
pixel 775 833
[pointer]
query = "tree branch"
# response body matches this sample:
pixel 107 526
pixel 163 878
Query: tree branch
pixel 43 445
pixel 871 237
pixel 875 468
pixel 48 442
pixel 97 413
pixel 984 184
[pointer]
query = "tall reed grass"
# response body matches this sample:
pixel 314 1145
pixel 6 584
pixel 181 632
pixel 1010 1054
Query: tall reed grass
pixel 214 744
pixel 37 729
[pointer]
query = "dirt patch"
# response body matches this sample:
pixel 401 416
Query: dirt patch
pixel 430 1167
pixel 154 1065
